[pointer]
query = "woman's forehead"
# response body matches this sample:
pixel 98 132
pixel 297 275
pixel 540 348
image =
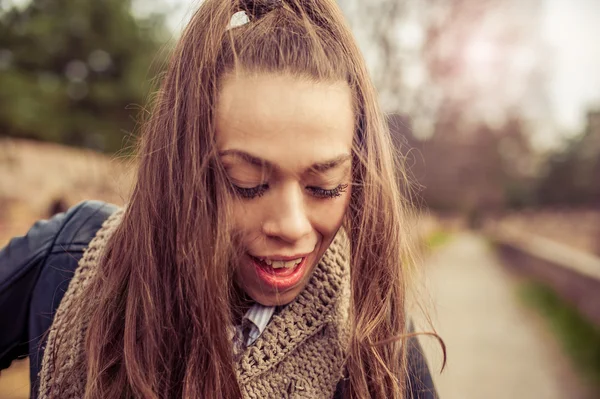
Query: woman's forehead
pixel 287 120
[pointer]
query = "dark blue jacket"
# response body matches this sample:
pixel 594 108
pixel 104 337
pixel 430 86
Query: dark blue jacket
pixel 35 271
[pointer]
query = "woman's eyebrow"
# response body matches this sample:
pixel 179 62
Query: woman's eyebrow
pixel 251 159
pixel 321 167
pixel 318 167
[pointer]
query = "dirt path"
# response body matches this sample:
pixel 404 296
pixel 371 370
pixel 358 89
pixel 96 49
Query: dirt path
pixel 496 348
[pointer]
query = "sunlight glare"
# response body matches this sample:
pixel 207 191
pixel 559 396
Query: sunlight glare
pixel 480 52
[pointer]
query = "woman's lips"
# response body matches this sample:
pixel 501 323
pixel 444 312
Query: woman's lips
pixel 282 278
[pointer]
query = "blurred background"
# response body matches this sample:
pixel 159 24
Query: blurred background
pixel 494 105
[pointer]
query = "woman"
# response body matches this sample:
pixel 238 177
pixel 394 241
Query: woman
pixel 260 254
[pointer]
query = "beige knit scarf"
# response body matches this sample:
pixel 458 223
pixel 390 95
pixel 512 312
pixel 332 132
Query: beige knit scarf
pixel 299 355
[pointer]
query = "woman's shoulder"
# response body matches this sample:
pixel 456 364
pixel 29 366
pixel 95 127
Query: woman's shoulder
pixel 81 222
pixel 64 232
pixel 35 270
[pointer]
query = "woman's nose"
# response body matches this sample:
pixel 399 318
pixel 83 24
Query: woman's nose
pixel 287 219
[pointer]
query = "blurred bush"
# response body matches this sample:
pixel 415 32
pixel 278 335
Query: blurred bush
pixel 73 71
pixel 572 176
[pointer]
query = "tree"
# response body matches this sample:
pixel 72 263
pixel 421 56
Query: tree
pixel 72 71
pixel 478 59
pixel 572 176
pixel 458 74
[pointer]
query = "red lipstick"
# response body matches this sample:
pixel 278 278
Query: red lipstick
pixel 282 278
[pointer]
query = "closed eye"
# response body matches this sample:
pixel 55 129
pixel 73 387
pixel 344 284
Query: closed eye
pixel 325 193
pixel 251 192
pixel 318 192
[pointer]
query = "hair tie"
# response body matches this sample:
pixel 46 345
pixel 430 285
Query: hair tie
pixel 251 10
pixel 256 9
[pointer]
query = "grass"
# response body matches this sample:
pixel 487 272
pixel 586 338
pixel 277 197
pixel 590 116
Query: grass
pixel 437 239
pixel 579 337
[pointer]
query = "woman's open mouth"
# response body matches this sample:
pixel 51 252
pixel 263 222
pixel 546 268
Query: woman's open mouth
pixel 278 274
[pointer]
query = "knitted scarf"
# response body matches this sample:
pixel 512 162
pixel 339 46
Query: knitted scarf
pixel 299 355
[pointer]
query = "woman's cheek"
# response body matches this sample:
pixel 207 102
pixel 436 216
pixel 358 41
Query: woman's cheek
pixel 330 215
pixel 245 218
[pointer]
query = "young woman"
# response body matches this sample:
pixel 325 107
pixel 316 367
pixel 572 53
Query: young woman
pixel 260 254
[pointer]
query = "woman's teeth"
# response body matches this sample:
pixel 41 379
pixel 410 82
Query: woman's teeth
pixel 278 264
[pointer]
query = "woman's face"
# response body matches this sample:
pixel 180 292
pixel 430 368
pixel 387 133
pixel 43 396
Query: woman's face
pixel 286 145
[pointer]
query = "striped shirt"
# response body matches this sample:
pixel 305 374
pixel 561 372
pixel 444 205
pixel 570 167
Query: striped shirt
pixel 253 324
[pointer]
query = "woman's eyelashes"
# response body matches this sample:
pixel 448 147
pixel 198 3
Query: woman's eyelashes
pixel 324 193
pixel 318 192
pixel 251 192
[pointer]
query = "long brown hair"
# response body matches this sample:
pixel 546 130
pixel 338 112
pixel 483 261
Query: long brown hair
pixel 158 329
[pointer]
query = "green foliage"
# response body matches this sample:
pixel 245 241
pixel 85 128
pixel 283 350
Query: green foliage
pixel 76 71
pixel 579 337
pixel 437 239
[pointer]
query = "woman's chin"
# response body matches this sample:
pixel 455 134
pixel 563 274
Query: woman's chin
pixel 274 300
